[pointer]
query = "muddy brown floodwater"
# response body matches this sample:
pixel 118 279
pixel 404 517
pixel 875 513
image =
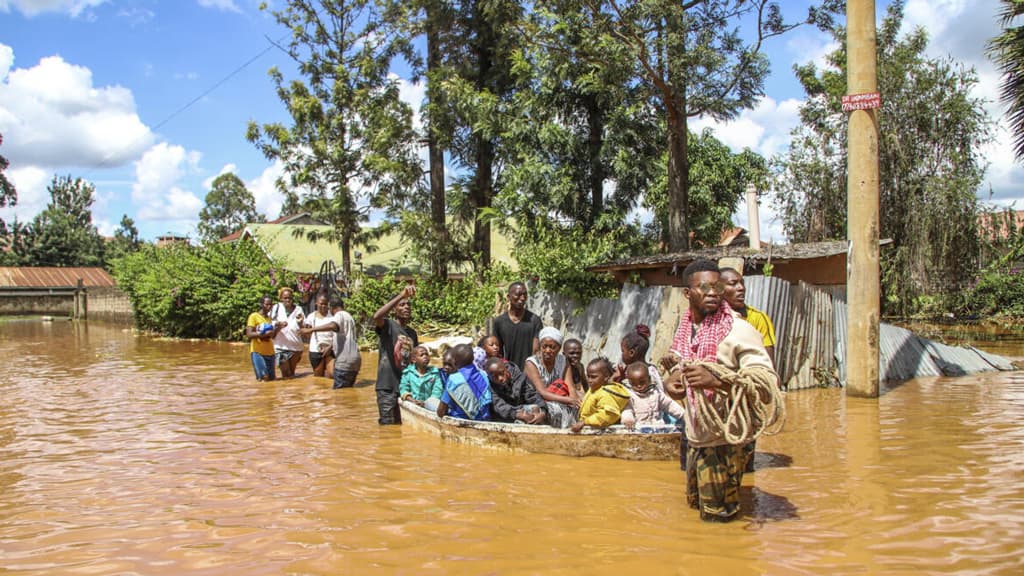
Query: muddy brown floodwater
pixel 124 454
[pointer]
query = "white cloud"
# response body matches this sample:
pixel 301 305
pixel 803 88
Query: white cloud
pixel 224 5
pixel 157 193
pixel 51 116
pixel 32 8
pixel 30 182
pixel 264 190
pixel 764 129
pixel 960 29
pixel 227 169
pixel 413 94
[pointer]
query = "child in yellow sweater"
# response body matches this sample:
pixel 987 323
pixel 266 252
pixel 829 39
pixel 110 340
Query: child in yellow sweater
pixel 603 404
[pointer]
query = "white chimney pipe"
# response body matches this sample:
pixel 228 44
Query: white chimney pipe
pixel 753 224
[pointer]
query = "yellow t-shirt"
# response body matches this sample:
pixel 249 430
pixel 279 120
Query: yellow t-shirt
pixel 763 323
pixel 257 345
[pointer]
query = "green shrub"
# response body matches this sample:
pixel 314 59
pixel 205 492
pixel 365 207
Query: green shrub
pixel 204 292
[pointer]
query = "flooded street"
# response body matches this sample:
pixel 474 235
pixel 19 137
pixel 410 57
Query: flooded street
pixel 125 454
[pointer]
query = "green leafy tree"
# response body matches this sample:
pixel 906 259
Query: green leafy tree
pixel 8 194
pixel 718 179
pixel 479 91
pixel 580 124
pixel 125 240
pixel 1007 52
pixel 930 136
pixel 351 142
pixel 15 243
pixel 692 60
pixel 229 206
pixel 63 233
pixel 432 21
pixel 205 292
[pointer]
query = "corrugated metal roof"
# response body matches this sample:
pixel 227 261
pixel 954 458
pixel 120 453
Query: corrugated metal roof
pixel 51 277
pixel 903 355
pixel 957 360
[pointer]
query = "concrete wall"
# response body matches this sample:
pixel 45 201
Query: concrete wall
pixel 107 304
pixel 37 303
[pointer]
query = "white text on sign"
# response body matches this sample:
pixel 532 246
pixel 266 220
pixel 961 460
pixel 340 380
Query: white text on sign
pixel 864 101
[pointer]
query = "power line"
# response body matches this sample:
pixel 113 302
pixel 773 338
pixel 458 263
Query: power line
pixel 102 163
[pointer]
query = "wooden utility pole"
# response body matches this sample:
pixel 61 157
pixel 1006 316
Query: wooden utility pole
pixel 862 269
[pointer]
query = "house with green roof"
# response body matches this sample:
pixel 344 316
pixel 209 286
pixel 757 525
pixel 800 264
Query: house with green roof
pixel 289 245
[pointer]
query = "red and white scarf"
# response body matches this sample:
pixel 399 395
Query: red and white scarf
pixel 704 346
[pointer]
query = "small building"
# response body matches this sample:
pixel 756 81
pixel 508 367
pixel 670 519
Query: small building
pixel 78 293
pixel 817 263
pixel 171 238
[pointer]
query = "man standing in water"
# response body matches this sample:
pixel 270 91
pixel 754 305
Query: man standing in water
pixel 518 328
pixel 347 360
pixel 709 344
pixel 396 341
pixel 735 294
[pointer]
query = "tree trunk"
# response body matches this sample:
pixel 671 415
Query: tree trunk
pixel 483 187
pixel 678 182
pixel 346 255
pixel 595 120
pixel 482 194
pixel 435 153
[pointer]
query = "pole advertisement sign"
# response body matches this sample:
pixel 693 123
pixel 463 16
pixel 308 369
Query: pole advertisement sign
pixel 864 101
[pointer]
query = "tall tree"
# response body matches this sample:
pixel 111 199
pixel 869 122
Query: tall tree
pixel 433 21
pixel 479 91
pixel 351 142
pixel 1007 52
pixel 693 60
pixel 930 136
pixel 8 195
pixel 125 240
pixel 583 139
pixel 229 206
pixel 63 233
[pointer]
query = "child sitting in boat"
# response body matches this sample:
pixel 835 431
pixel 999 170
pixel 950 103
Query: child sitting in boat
pixel 421 383
pixel 605 399
pixel 647 404
pixel 467 393
pixel 634 346
pixel 573 352
pixel 491 345
pixel 514 399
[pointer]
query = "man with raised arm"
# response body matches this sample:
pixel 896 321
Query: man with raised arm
pixel 396 340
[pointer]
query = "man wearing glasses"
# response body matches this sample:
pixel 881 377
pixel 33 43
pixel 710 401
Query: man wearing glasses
pixel 711 350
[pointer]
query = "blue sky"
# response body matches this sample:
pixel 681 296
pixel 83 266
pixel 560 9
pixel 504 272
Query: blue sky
pixel 149 100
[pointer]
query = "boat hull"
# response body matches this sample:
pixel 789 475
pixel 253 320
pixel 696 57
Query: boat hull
pixel 659 442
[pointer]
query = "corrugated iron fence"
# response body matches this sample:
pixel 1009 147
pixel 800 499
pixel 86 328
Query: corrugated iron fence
pixel 810 327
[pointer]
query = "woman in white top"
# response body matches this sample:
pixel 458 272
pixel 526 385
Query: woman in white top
pixel 288 343
pixel 320 327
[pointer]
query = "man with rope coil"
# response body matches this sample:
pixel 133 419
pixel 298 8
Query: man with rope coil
pixel 720 370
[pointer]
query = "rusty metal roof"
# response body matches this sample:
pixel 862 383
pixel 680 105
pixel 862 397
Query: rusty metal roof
pixel 51 277
pixel 778 253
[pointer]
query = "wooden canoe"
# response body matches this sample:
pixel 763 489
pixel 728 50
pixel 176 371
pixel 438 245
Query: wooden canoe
pixel 657 442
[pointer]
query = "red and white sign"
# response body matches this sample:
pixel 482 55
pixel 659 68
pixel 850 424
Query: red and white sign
pixel 864 101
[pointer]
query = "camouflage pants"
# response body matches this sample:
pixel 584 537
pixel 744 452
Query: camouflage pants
pixel 713 477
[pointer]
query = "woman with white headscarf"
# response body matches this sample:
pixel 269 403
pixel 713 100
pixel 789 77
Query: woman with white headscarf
pixel 551 375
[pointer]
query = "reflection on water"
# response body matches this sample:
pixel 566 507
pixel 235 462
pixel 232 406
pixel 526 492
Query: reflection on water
pixel 125 454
